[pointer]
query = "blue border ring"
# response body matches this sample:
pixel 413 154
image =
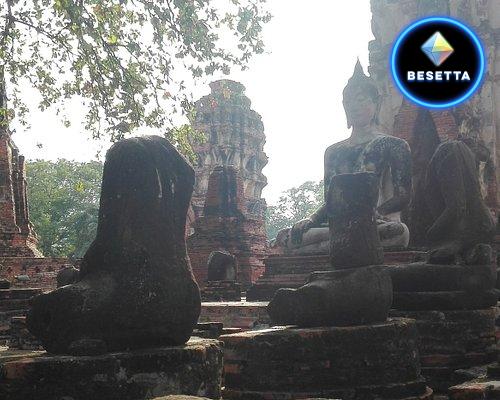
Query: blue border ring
pixel 480 54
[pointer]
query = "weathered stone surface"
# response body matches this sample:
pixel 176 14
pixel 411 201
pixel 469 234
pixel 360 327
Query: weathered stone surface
pixel 423 277
pixel 363 362
pixel 136 288
pixel 449 300
pixel 192 369
pixel 350 205
pixel 340 298
pixel 227 225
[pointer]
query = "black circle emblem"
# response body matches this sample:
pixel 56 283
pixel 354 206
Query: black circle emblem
pixel 437 62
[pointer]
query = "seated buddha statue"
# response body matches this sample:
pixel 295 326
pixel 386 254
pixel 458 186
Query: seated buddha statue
pixel 463 226
pixel 366 150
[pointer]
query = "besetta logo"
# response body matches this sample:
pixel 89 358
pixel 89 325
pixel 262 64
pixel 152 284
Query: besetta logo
pixel 437 62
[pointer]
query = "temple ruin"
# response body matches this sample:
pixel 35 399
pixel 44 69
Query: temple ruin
pixel 389 291
pixel 227 201
pixel 234 137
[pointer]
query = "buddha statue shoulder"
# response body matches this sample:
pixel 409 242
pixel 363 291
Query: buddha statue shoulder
pixel 366 150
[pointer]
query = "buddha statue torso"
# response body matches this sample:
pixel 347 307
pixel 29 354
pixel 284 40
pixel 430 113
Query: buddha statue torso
pixel 386 156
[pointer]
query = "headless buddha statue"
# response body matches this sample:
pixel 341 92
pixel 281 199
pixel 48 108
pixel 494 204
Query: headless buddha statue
pixel 463 226
pixel 366 150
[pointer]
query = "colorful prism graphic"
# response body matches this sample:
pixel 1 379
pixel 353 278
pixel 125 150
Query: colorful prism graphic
pixel 437 49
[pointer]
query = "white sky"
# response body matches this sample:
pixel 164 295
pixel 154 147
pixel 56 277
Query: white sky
pixel 296 86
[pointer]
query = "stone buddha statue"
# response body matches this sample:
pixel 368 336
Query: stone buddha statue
pixel 462 225
pixel 366 150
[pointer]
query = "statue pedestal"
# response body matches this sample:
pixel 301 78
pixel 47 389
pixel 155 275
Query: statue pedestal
pixel 355 362
pixel 454 308
pixel 192 369
pixel 293 271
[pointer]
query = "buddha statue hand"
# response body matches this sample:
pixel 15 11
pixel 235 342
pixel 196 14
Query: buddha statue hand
pixel 299 228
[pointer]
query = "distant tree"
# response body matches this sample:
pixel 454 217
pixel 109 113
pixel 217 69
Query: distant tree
pixel 63 198
pixel 295 204
pixel 129 60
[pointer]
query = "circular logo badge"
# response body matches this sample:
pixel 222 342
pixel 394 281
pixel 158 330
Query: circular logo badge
pixel 437 62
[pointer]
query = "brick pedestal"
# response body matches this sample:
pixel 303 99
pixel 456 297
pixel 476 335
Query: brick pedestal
pixel 454 308
pixel 452 340
pixel 193 369
pixel 360 362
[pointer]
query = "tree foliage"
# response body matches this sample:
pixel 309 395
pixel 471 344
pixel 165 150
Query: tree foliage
pixel 129 60
pixel 63 198
pixel 295 204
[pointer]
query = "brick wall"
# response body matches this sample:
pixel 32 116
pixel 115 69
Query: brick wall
pixel 42 272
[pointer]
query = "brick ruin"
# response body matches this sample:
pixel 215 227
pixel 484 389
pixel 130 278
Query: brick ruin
pixel 235 137
pixel 19 255
pixel 18 238
pixel 441 326
pixel 226 225
pixel 227 206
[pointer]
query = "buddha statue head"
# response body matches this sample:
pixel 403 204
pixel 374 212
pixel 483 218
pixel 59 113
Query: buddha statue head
pixel 361 99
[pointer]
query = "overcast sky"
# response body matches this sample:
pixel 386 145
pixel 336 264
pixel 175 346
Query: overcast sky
pixel 297 88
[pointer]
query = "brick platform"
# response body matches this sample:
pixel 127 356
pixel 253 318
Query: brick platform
pixel 452 340
pixel 193 369
pixel 455 310
pixel 293 271
pixel 359 362
pixel 244 315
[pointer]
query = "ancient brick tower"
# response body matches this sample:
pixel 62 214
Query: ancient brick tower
pixel 17 238
pixel 235 137
pixel 477 118
pixel 227 225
